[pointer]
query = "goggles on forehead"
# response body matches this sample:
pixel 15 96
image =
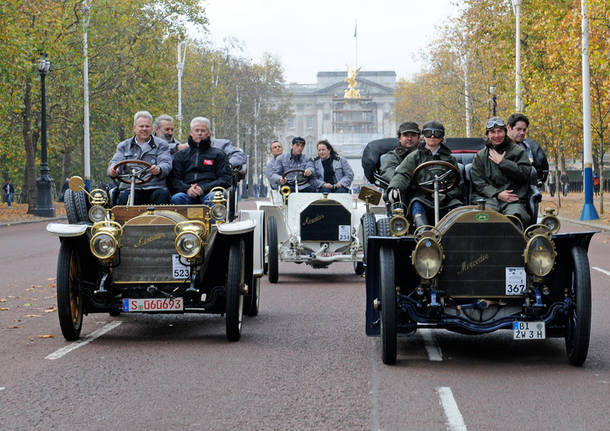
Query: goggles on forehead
pixel 494 122
pixel 437 133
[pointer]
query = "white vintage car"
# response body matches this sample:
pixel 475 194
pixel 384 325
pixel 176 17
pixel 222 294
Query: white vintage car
pixel 313 228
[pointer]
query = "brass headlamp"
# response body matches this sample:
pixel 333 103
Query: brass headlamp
pixel 104 241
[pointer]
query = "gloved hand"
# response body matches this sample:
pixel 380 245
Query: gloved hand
pixel 393 195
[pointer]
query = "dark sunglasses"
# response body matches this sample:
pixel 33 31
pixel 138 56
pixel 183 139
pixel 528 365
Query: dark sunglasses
pixel 437 133
pixel 494 122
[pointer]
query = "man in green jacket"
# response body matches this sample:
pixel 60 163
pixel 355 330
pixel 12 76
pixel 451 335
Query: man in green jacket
pixel 402 184
pixel 501 173
pixel 408 138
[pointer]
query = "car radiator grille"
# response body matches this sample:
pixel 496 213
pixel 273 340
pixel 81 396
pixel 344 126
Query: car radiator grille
pixel 146 254
pixel 476 257
pixel 325 221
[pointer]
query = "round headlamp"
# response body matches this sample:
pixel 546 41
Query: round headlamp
pixel 103 245
pixel 399 225
pixel 427 258
pixel 188 244
pixel 97 213
pixel 218 212
pixel 540 255
pixel 551 222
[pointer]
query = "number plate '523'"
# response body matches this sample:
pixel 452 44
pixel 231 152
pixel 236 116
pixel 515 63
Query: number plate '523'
pixel 152 304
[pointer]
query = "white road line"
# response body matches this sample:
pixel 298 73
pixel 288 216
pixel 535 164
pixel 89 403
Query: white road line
pixel 455 421
pixel 2 388
pixel 602 270
pixel 80 343
pixel 432 347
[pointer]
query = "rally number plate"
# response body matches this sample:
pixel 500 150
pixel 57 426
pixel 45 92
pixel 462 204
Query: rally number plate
pixel 529 331
pixel 152 304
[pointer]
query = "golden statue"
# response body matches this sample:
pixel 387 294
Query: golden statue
pixel 351 92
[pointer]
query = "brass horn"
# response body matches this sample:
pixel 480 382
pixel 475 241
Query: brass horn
pixel 285 191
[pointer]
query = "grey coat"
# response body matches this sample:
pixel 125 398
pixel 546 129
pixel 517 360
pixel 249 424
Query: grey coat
pixel 285 162
pixel 235 156
pixel 155 152
pixel 269 172
pixel 344 174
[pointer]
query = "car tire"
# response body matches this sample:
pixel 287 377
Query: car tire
pixel 359 268
pixel 70 207
pixel 80 203
pixel 254 298
pixel 234 298
pixel 579 315
pixel 273 258
pixel 383 227
pixel 387 290
pixel 69 296
pixel 369 228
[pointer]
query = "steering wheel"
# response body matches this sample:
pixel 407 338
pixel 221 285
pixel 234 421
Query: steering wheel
pixel 141 175
pixel 448 176
pixel 299 178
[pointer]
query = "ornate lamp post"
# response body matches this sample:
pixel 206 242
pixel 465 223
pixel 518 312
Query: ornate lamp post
pixel 494 103
pixel 44 203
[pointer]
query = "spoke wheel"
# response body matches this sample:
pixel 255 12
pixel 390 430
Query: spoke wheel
pixel 272 256
pixel 387 289
pixel 69 297
pixel 579 315
pixel 234 305
pixel 369 228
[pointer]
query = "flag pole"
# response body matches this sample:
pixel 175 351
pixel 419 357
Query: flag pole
pixel 356 41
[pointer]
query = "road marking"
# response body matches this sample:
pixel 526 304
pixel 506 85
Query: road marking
pixel 454 417
pixel 80 343
pixel 2 388
pixel 602 270
pixel 432 347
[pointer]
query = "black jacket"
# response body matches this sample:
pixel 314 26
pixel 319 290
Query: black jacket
pixel 540 162
pixel 201 164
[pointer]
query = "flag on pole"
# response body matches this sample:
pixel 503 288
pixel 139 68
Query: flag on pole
pixel 356 29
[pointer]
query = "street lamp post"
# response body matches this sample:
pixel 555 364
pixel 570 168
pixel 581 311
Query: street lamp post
pixel 494 103
pixel 44 206
pixel 517 9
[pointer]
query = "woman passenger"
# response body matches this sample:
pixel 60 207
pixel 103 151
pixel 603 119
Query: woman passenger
pixel 333 173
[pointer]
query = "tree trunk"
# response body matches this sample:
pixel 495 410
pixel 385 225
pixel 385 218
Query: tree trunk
pixel 30 140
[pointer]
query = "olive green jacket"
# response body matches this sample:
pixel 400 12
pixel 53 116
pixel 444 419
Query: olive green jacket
pixel 513 172
pixel 391 161
pixel 403 177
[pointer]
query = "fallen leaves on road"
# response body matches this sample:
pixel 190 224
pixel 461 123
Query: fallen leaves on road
pixel 51 279
pixel 27 304
pixel 36 286
pixel 51 309
pixel 13 327
pixel 2 300
pixel 45 336
pixel 3 309
pixel 32 315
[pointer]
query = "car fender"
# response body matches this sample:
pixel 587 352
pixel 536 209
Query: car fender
pixel 258 242
pixel 67 230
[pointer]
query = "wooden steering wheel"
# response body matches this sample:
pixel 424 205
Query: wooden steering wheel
pixel 141 175
pixel 448 176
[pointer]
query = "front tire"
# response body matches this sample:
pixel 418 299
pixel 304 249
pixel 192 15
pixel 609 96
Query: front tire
pixel 369 228
pixel 69 296
pixel 383 227
pixel 387 289
pixel 234 298
pixel 579 316
pixel 273 258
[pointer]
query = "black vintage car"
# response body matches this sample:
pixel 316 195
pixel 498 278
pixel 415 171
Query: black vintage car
pixel 156 259
pixel 477 271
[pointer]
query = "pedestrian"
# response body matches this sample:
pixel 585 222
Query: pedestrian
pixel 596 184
pixel 565 183
pixel 551 183
pixel 8 190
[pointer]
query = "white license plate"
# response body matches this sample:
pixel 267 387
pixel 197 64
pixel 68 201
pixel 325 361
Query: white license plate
pixel 152 304
pixel 529 331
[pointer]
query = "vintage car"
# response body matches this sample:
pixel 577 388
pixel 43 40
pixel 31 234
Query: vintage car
pixel 477 271
pixel 156 259
pixel 313 228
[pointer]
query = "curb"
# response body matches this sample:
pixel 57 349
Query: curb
pixel 16 222
pixel 585 223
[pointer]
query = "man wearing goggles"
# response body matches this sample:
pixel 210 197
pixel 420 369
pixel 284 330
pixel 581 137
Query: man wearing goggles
pixel 408 138
pixel 421 203
pixel 518 124
pixel 501 173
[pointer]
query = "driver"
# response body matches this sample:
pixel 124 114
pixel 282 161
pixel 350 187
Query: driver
pixel 402 184
pixel 199 169
pixel 501 172
pixel 295 159
pixel 143 146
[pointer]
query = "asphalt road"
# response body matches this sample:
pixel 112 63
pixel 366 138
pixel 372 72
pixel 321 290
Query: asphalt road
pixel 303 363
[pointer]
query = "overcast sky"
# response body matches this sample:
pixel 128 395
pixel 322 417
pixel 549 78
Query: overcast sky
pixel 308 36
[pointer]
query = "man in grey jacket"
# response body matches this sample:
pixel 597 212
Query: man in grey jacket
pixel 276 150
pixel 295 159
pixel 146 147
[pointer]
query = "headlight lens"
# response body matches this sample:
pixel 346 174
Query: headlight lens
pixel 188 244
pixel 97 213
pixel 540 255
pixel 399 225
pixel 552 223
pixel 427 258
pixel 218 212
pixel 103 245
